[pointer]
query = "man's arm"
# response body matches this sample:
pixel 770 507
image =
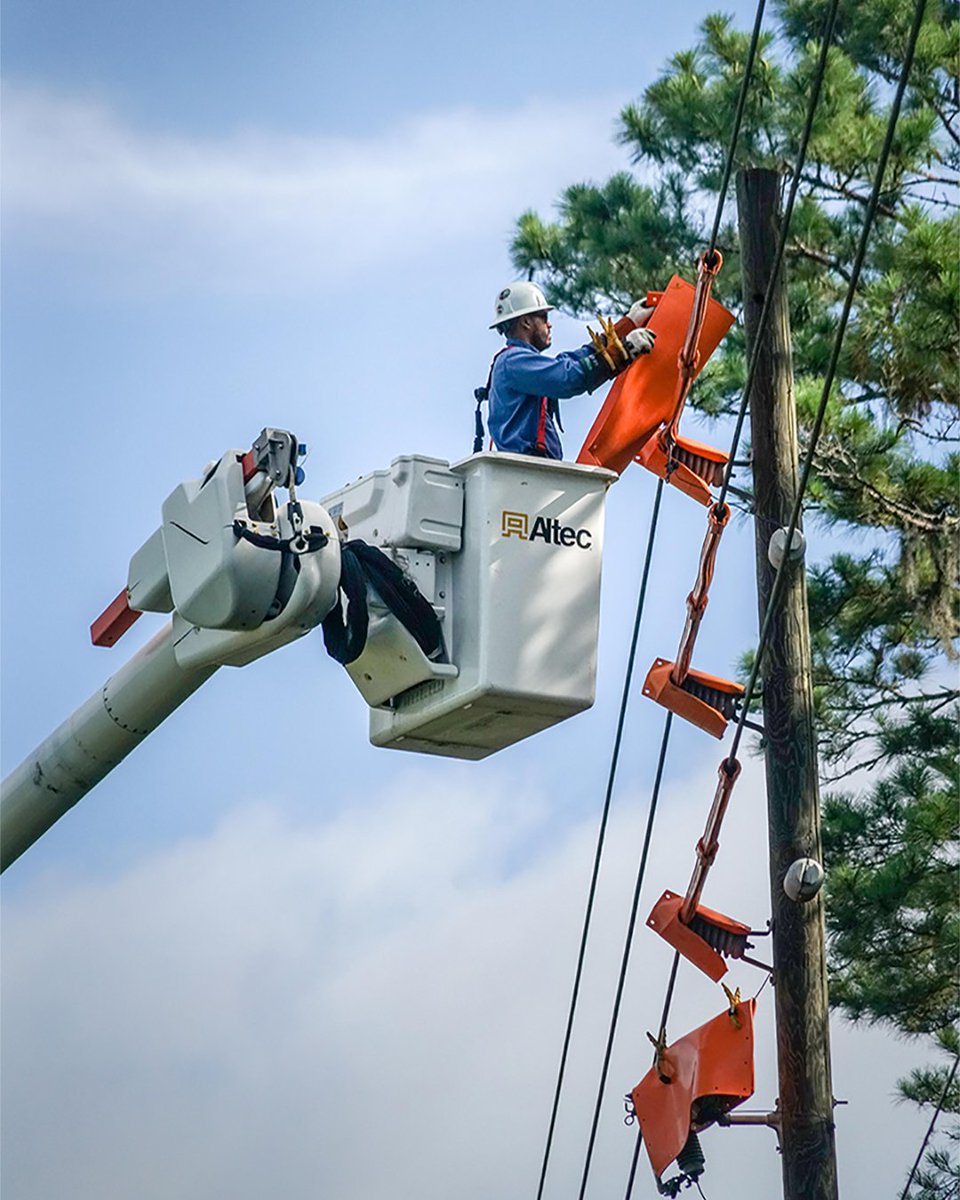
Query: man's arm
pixel 569 374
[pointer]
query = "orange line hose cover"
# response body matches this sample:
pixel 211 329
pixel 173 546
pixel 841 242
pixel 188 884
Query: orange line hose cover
pixel 665 919
pixel 655 457
pixel 659 686
pixel 714 1061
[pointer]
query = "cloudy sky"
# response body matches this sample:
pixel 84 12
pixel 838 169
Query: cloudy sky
pixel 264 958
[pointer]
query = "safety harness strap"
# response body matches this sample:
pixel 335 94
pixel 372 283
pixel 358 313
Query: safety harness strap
pixel 542 427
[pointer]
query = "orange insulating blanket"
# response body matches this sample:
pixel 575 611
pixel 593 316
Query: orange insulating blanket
pixel 644 396
pixel 710 1072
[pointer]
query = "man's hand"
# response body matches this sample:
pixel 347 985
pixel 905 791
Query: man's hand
pixel 640 313
pixel 639 341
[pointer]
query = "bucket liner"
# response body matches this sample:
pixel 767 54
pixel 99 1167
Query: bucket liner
pixel 644 397
pixel 695 1081
pixel 705 700
pixel 708 938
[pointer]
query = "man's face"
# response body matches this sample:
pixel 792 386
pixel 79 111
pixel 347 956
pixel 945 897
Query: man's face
pixel 540 334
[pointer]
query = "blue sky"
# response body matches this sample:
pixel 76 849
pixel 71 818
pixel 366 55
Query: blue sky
pixel 219 217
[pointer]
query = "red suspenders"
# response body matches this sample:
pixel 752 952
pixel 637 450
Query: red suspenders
pixel 542 427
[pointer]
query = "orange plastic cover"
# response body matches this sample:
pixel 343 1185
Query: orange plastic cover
pixel 713 1061
pixel 665 920
pixel 643 397
pixel 660 687
pixel 653 456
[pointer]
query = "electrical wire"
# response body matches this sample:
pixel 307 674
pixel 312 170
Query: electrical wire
pixel 641 871
pixel 737 121
pixel 668 999
pixel 728 167
pixel 930 1127
pixel 721 201
pixel 614 760
pixel 814 99
pixel 661 1040
pixel 637 1147
pixel 869 217
pixel 826 42
pixel 819 75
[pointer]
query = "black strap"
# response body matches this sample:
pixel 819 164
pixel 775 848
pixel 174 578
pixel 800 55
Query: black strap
pixel 346 636
pixel 311 539
pixel 478 430
pixel 480 395
pixel 314 537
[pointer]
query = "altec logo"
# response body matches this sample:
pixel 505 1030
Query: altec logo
pixel 544 529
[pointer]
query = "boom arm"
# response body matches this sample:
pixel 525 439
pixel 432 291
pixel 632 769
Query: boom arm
pixel 505 549
pixel 90 742
pixel 242 576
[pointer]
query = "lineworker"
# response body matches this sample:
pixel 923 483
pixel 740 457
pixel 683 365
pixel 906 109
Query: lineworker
pixel 525 385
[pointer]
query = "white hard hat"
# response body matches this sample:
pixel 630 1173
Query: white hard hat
pixel 517 299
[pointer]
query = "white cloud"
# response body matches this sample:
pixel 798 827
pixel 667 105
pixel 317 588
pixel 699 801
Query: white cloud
pixel 263 209
pixel 371 1006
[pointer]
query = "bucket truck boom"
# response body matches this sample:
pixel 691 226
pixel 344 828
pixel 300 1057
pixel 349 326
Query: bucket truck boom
pixel 499 555
pixel 241 574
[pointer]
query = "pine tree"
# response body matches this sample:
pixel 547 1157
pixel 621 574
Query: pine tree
pixel 884 607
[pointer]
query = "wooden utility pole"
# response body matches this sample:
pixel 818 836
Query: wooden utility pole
pixel 799 944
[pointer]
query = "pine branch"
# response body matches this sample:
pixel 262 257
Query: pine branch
pixel 935 201
pixel 945 120
pixel 857 767
pixel 842 188
pixel 950 181
pixel 936 700
pixel 908 515
pixel 801 249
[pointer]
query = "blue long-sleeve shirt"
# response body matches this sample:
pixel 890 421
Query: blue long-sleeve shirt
pixel 525 386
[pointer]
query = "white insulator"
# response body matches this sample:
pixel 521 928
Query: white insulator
pixel 803 879
pixel 775 550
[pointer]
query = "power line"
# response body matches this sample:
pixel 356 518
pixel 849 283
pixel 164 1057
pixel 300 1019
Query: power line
pixel 728 167
pixel 737 121
pixel 641 871
pixel 668 999
pixel 869 217
pixel 721 201
pixel 826 42
pixel 661 1040
pixel 818 81
pixel 614 760
pixel 933 1121
pixel 637 1147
